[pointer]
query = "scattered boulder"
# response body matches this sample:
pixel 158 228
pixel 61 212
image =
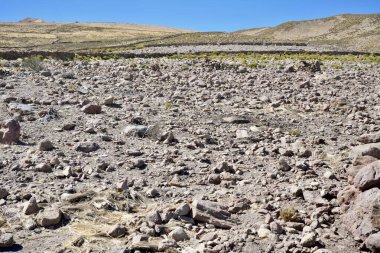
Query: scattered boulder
pixel 117 231
pixel 211 212
pixel 45 145
pixel 87 147
pixel 368 177
pixel 179 234
pixel 92 109
pixel 10 131
pixel 31 207
pixel 3 193
pixel 6 240
pixel 49 217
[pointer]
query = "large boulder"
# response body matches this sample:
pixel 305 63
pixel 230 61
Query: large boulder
pixel 368 177
pixel 363 217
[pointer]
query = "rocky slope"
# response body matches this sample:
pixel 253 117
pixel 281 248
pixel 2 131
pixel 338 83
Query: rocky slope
pixel 179 155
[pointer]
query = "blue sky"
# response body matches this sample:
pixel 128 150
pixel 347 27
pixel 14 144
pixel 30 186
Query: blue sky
pixel 201 15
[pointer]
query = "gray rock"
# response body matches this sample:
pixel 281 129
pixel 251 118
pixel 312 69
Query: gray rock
pixel 211 212
pixel 31 207
pixel 92 109
pixel 43 167
pixel 87 147
pixel 10 132
pixel 235 120
pixel 154 217
pixel 6 240
pixel 3 193
pixel 373 242
pixel 49 217
pixel 276 228
pixel 368 177
pixel 309 240
pixel 314 197
pixel 45 145
pixel 179 234
pixel 283 165
pixel 117 231
pixel 183 210
pixel 135 130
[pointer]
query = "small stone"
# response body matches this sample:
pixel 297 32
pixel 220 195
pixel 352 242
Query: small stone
pixel 6 240
pixel 263 232
pixel 276 228
pixel 87 147
pixel 135 130
pixel 31 206
pixel 283 165
pixel 328 174
pixel 45 145
pixel 154 217
pixel 49 217
pixel 167 244
pixel 296 191
pixel 139 163
pixel 109 101
pixel 152 193
pixel 43 167
pixel 92 109
pixel 117 231
pixel 3 193
pixel 179 234
pixel 309 240
pixel 183 210
pixel 214 179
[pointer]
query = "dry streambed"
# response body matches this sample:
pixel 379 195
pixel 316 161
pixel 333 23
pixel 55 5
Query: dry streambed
pixel 148 155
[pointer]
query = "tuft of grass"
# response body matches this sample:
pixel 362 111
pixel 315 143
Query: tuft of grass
pixel 33 63
pixel 288 214
pixel 168 105
pixel 295 132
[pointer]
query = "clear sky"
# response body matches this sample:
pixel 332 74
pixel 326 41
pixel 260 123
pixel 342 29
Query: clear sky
pixel 200 15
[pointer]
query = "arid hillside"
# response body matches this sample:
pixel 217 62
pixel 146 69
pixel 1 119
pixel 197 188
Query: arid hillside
pixel 357 32
pixel 75 36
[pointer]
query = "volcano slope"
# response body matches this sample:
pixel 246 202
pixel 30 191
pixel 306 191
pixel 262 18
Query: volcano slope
pixel 182 154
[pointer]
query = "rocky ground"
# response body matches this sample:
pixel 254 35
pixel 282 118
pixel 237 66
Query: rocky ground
pixel 179 155
pixel 191 49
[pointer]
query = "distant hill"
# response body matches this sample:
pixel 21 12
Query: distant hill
pixel 31 20
pixel 36 34
pixel 351 31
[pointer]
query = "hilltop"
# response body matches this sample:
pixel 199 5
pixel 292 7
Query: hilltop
pixel 31 20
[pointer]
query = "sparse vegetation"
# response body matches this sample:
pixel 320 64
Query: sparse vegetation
pixel 288 214
pixel 168 105
pixel 33 63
